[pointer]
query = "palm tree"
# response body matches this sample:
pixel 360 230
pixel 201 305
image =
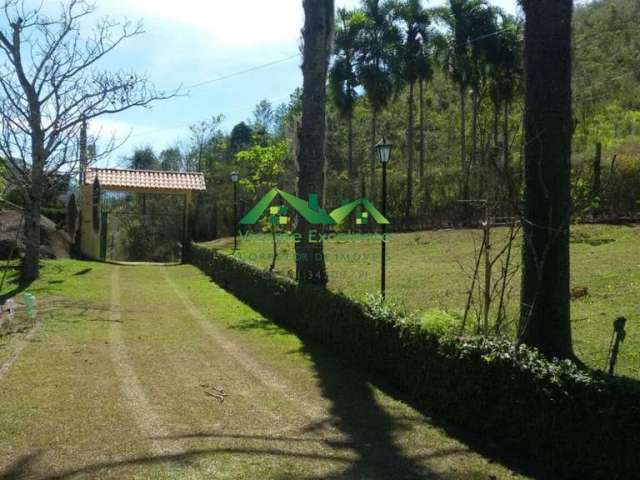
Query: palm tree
pixel 545 306
pixel 343 79
pixel 470 24
pixel 377 46
pixel 483 47
pixel 505 76
pixel 413 66
pixel 425 73
pixel 317 37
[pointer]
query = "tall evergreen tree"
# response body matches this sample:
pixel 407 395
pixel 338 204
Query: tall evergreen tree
pixel 545 307
pixel 143 159
pixel 317 36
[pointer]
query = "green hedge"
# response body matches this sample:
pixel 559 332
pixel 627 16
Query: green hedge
pixel 583 425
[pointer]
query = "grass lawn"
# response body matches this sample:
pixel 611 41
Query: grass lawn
pixel 154 372
pixel 430 271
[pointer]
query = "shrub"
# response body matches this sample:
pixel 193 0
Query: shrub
pixel 582 424
pixel 439 321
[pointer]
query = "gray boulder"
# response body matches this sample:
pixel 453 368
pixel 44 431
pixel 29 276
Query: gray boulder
pixel 55 243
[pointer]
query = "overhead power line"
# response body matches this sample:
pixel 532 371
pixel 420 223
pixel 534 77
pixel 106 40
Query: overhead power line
pixel 263 66
pixel 242 72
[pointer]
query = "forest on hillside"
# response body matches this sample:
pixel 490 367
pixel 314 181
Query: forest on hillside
pixel 444 87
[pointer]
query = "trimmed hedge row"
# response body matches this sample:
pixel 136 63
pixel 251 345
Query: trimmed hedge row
pixel 584 425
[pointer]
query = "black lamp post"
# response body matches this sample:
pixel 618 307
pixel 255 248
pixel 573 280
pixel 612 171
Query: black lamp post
pixel 235 176
pixel 383 150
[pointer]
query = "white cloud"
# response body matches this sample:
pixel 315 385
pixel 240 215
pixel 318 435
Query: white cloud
pixel 228 24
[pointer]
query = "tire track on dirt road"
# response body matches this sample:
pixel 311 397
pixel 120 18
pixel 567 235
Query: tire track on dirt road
pixel 19 346
pixel 263 374
pixel 146 418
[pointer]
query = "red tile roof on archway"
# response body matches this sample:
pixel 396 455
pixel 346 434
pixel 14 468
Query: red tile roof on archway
pixel 115 178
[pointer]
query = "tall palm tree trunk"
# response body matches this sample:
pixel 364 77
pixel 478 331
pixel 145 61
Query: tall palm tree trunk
pixel 496 125
pixel 410 154
pixel 422 145
pixel 505 139
pixel 353 186
pixel 545 307
pixel 317 36
pixel 372 154
pixel 350 145
pixel 495 153
pixel 474 137
pixel 463 147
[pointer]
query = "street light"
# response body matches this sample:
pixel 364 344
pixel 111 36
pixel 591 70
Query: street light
pixel 235 176
pixel 383 150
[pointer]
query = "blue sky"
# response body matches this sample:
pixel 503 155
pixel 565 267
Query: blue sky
pixel 200 41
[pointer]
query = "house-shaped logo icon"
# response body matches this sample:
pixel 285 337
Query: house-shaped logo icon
pixel 279 215
pixel 309 210
pixel 339 214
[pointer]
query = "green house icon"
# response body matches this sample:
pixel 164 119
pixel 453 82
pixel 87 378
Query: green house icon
pixel 279 215
pixel 368 211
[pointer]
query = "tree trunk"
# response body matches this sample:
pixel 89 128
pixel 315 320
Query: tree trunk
pixel 350 145
pixel 597 172
pixel 493 188
pixel 196 220
pixel 505 140
pixel 84 157
pixel 474 137
pixel 463 145
pixel 352 180
pixel 31 264
pixel 422 146
pixel 214 221
pixel 317 36
pixel 274 256
pixel 374 140
pixel 545 307
pixel 496 122
pixel 410 159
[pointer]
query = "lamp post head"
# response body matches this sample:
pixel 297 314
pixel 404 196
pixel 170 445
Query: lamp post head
pixel 383 150
pixel 235 176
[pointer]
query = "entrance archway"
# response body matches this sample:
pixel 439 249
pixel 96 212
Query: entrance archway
pixel 137 215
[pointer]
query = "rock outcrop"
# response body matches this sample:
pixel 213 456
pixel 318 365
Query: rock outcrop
pixel 55 242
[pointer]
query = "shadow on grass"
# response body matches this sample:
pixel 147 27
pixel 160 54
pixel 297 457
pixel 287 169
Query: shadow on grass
pixel 368 425
pixel 19 287
pixel 371 429
pixel 259 323
pixel 24 466
pixel 82 272
pixel 358 415
pixel 367 429
pixel 20 468
pixel 594 242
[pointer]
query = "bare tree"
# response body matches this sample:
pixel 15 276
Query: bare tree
pixel 50 83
